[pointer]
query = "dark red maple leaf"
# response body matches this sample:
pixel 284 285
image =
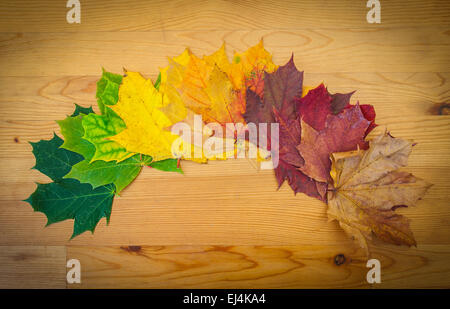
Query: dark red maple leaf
pixel 317 109
pixel 369 113
pixel 298 181
pixel 256 111
pixel 289 138
pixel 290 160
pixel 280 88
pixel 277 104
pixel 341 132
pixel 314 107
pixel 319 103
pixel 339 101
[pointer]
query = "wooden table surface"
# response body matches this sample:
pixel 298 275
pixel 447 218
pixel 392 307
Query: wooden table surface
pixel 223 224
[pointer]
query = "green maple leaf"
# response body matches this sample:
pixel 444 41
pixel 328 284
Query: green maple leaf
pixel 96 173
pixel 83 190
pixel 97 129
pixel 99 173
pixel 67 198
pixel 82 110
pixel 53 161
pixel 108 90
pixel 168 165
pixel 73 132
pixel 70 199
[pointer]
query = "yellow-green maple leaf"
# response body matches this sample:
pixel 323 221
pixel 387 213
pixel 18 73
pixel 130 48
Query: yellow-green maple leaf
pixel 97 129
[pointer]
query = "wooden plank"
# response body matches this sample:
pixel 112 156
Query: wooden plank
pixel 257 267
pixel 219 190
pixel 212 204
pixel 243 219
pixel 413 49
pixel 32 267
pixel 428 131
pixel 235 228
pixel 48 16
pixel 169 223
pixel 41 98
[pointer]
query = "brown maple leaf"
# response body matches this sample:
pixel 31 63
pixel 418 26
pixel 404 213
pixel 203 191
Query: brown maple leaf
pixel 367 189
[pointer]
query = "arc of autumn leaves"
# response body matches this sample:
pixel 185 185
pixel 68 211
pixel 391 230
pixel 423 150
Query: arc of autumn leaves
pixel 323 151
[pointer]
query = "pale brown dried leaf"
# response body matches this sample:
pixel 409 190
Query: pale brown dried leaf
pixel 367 189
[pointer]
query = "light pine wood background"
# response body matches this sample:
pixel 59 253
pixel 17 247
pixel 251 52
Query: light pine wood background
pixel 223 224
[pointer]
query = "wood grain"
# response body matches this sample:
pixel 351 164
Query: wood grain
pixel 413 93
pixel 413 49
pixel 163 15
pixel 256 267
pixel 222 208
pixel 222 224
pixel 31 267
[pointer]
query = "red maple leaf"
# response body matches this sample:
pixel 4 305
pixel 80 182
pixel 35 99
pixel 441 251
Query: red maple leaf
pixel 307 168
pixel 299 182
pixel 341 132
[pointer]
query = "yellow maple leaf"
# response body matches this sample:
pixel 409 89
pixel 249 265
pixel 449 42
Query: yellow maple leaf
pixel 144 112
pixel 174 72
pixel 193 81
pixel 139 106
pixel 171 78
pixel 220 59
pixel 226 104
pixel 210 86
pixel 192 88
pixel 255 59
